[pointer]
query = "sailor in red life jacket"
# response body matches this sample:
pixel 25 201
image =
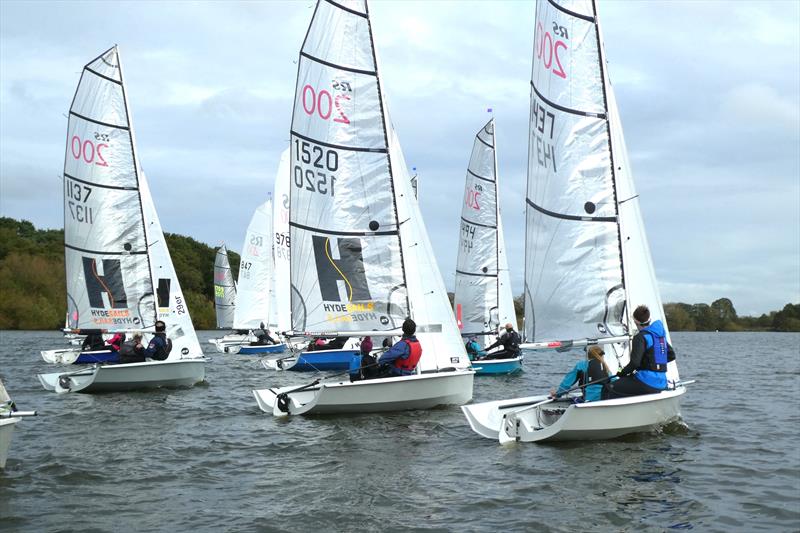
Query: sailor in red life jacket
pixel 402 358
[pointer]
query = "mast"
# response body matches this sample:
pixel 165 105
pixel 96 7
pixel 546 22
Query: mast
pixel 136 172
pixel 497 229
pixel 385 121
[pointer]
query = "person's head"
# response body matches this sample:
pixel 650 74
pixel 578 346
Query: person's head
pixel 137 338
pixel 161 327
pixel 509 327
pixel 473 339
pixel 642 315
pixel 596 352
pixel 409 327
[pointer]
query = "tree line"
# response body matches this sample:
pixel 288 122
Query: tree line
pixel 33 286
pixel 32 276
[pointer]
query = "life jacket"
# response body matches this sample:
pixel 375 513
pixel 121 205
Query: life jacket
pixel 595 373
pixel 415 352
pixel 163 348
pixel 655 353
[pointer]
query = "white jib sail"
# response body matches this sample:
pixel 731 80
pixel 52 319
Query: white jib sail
pixel 583 277
pixel 171 306
pixel 346 264
pixel 108 276
pixel 224 289
pixel 255 271
pixel 483 300
pixel 280 308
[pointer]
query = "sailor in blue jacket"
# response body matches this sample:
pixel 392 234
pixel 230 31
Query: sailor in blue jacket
pixel 646 373
pixel 160 346
pixel 402 358
pixel 590 370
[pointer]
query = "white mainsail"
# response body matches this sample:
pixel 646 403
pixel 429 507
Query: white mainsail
pixel 224 289
pixel 361 259
pixel 483 300
pixel 587 260
pixel 109 284
pixel 255 272
pixel 280 309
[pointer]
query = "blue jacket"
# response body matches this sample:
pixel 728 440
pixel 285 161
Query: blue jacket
pixel 400 350
pixel 159 347
pixel 591 393
pixel 474 350
pixel 642 349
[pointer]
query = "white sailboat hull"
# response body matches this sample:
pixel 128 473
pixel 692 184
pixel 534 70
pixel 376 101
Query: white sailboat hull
pixel 131 376
pixel 419 391
pixel 6 430
pixel 225 343
pixel 557 421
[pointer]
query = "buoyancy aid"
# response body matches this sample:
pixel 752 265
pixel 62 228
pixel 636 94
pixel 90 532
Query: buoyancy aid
pixel 595 373
pixel 415 352
pixel 655 354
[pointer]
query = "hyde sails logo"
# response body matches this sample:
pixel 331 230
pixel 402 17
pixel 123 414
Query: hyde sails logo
pixel 343 280
pixel 105 290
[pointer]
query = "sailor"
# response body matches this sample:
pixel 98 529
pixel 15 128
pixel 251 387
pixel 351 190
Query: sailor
pixel 132 351
pixel 510 340
pixel 590 370
pixel 116 341
pixel 160 346
pixel 474 350
pixel 402 358
pixel 93 341
pixel 263 337
pixel 646 373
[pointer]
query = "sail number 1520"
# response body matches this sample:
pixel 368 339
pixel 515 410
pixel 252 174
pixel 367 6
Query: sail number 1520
pixel 323 162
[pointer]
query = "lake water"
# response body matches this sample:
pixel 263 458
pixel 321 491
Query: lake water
pixel 206 459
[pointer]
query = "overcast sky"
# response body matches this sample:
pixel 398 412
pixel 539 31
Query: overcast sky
pixel 709 94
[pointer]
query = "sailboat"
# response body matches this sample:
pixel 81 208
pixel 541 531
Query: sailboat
pixel 361 261
pixel 9 416
pixel 483 300
pixel 224 289
pixel 588 263
pixel 120 276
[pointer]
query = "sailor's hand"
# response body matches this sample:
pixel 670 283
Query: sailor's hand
pixel 552 393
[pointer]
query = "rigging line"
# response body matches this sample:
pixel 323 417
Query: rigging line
pixel 587 18
pixel 126 128
pixel 628 199
pixel 479 177
pixel 569 217
pixel 337 67
pixel 101 185
pixel 347 281
pixel 341 146
pixel 566 109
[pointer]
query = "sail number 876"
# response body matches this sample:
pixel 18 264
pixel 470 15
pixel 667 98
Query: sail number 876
pixel 320 178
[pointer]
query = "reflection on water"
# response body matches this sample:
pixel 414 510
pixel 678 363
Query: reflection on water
pixel 206 459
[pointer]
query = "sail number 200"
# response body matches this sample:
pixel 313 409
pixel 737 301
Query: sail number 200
pixel 547 49
pixel 324 161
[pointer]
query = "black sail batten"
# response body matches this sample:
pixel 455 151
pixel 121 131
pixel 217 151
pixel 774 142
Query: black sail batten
pixel 484 142
pixel 136 175
pixel 471 173
pixel 601 60
pixel 602 116
pixel 581 218
pixel 95 184
pixel 478 224
pixel 103 252
pixel 101 123
pixel 563 9
pixel 107 78
pixel 338 67
pixel 349 10
pixel 344 233
pixel 388 153
pixel 340 146
pixel 477 274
